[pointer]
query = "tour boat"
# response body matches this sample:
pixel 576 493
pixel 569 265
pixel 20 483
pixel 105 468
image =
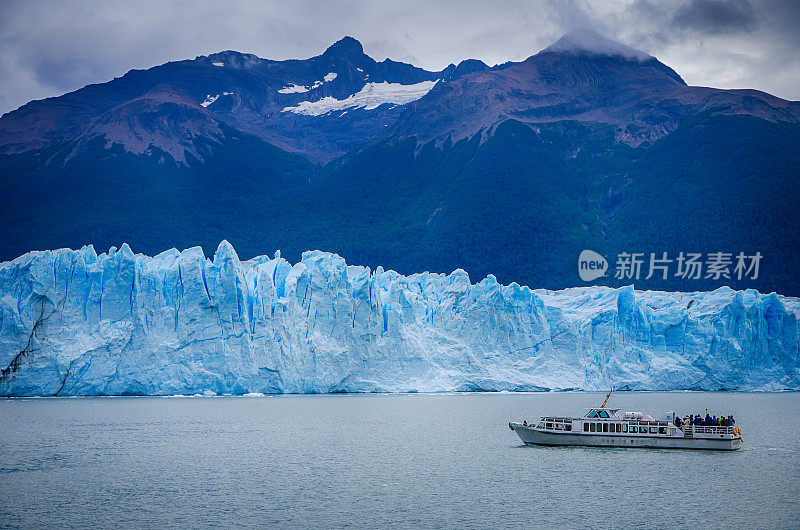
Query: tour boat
pixel 608 427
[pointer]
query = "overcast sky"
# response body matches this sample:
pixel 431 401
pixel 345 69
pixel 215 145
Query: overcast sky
pixel 48 48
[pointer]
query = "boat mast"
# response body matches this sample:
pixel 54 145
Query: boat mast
pixel 606 399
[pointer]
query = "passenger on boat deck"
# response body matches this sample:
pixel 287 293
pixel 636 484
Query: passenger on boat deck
pixel 708 420
pixel 733 422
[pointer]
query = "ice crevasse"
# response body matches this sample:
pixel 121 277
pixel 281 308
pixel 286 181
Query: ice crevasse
pixel 75 323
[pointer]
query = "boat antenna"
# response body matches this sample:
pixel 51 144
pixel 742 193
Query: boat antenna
pixel 606 399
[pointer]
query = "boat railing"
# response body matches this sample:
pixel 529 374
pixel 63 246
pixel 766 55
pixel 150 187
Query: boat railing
pixel 707 429
pixel 559 420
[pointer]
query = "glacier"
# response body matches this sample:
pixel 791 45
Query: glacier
pixel 370 97
pixel 78 323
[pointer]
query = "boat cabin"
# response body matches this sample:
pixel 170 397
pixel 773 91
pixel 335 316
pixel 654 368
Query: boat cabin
pixel 602 413
pixel 603 420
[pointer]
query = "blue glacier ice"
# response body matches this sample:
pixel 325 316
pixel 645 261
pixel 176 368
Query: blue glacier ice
pixel 75 323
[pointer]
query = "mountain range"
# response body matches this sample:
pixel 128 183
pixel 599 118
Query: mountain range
pixel 512 169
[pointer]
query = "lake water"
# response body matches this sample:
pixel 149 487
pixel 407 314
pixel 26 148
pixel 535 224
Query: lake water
pixel 432 460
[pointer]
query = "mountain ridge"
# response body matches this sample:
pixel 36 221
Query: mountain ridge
pixel 564 63
pixel 254 103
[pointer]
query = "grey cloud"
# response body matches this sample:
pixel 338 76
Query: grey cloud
pixel 716 16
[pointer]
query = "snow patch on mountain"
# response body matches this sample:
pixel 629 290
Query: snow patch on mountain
pixel 211 99
pixel 371 96
pixel 293 88
pixel 218 64
pixel 75 323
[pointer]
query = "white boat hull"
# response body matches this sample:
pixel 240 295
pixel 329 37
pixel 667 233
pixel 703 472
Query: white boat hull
pixel 531 436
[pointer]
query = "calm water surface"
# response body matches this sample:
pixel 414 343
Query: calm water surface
pixel 446 460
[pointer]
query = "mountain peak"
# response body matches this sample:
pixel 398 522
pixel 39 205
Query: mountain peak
pixel 345 46
pixel 590 42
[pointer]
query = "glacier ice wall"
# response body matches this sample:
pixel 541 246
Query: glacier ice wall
pixel 75 323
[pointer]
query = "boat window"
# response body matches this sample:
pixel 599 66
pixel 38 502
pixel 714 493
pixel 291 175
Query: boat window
pixel 634 429
pixel 568 427
pixel 619 427
pixel 549 425
pixel 605 427
pixel 559 427
pixel 662 430
pixel 592 414
pixel 585 427
pixel 591 427
pixel 624 427
pixel 653 430
pixel 602 414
